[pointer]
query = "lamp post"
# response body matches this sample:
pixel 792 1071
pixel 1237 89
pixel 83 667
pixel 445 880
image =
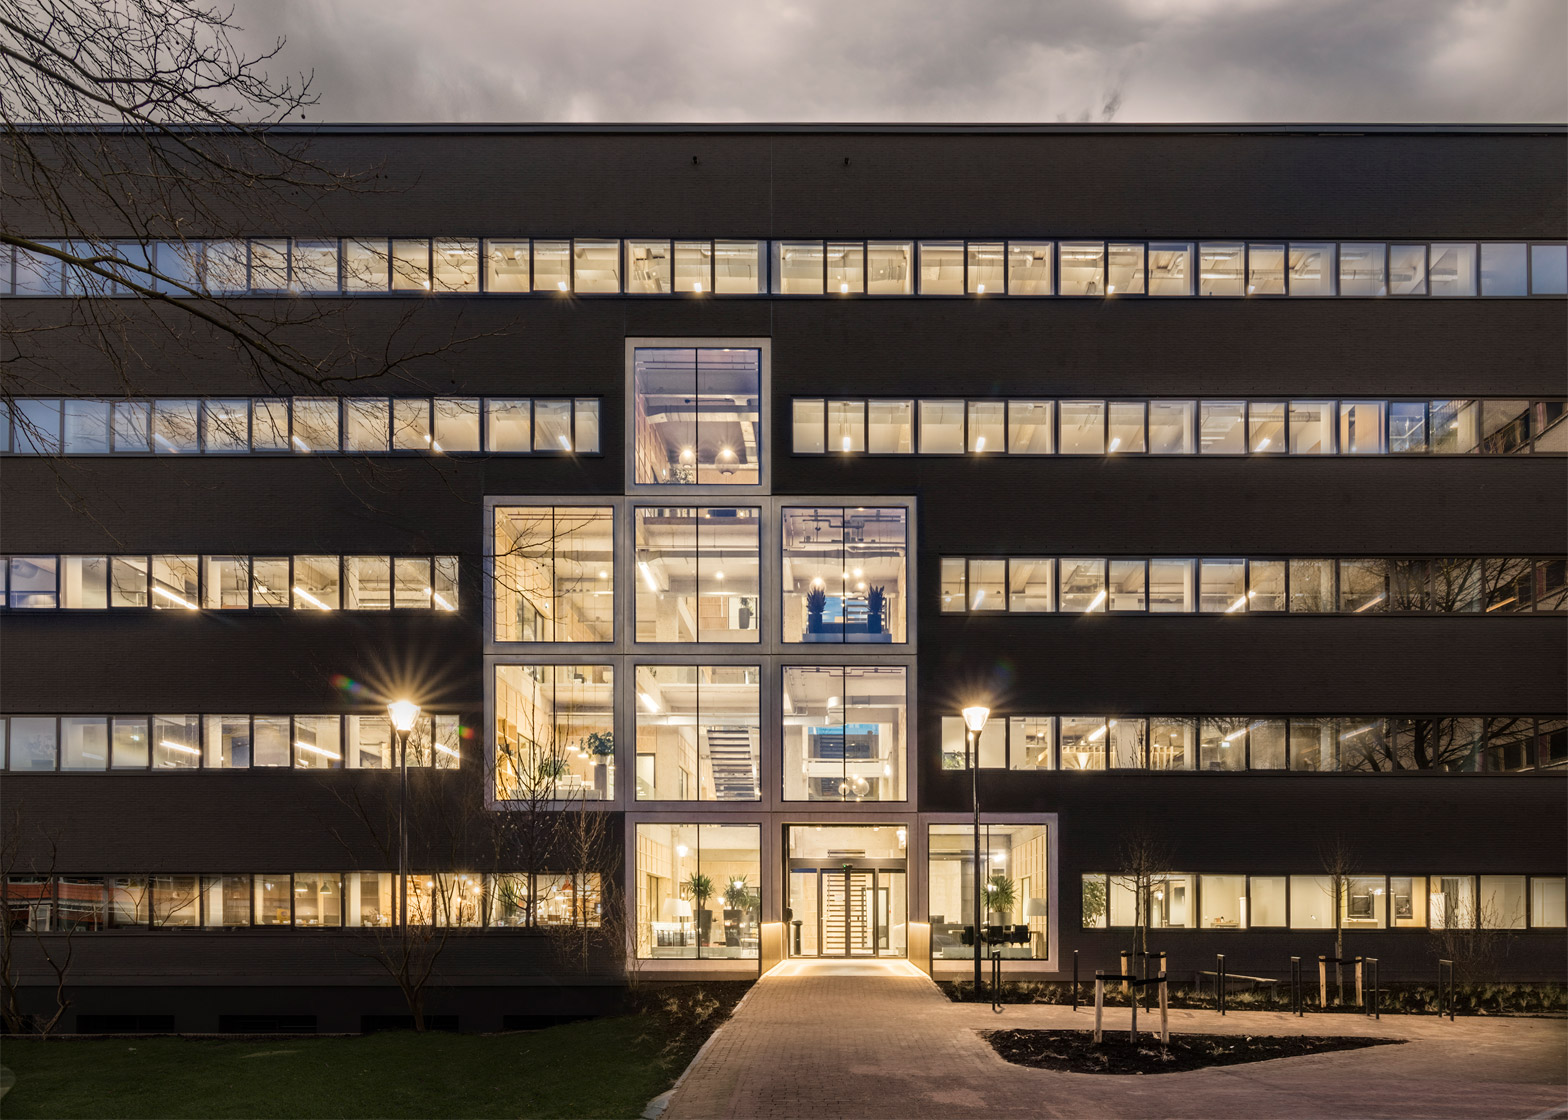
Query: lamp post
pixel 403 713
pixel 974 719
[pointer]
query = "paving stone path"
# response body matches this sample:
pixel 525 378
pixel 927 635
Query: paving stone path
pixel 820 1039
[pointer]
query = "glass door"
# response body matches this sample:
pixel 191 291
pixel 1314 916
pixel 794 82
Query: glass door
pixel 847 912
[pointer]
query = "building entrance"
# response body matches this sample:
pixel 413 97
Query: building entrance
pixel 847 891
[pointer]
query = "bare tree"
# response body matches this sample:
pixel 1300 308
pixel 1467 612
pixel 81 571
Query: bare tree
pixel 31 907
pixel 1474 935
pixel 445 825
pixel 141 147
pixel 585 856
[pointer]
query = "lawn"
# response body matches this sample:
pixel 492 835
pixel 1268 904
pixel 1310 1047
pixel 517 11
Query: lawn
pixel 599 1068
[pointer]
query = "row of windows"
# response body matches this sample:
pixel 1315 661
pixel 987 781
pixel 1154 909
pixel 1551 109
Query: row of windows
pixel 304 900
pixel 229 583
pixel 225 742
pixel 1179 427
pixel 938 267
pixel 698 574
pixel 299 425
pixel 1320 744
pixel 1365 902
pixel 1234 586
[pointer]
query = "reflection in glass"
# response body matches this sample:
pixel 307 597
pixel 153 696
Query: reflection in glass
pixel 554 574
pixel 554 732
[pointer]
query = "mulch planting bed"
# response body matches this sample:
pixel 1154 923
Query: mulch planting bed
pixel 1076 1052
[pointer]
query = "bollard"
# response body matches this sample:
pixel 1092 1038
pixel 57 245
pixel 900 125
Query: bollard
pixel 1075 981
pixel 1445 993
pixel 1125 973
pixel 1099 1007
pixel 1296 995
pixel 1375 1008
pixel 1361 997
pixel 1219 981
pixel 1132 1035
pixel 1323 982
pixel 1165 1012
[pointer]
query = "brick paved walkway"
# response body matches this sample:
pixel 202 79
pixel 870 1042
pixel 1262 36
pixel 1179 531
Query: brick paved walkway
pixel 822 1039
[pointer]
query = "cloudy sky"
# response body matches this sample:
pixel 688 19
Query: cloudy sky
pixel 926 60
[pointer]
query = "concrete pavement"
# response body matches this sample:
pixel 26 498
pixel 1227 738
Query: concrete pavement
pixel 824 1039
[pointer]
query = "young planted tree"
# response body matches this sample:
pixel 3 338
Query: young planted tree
pixel 1143 864
pixel 1340 864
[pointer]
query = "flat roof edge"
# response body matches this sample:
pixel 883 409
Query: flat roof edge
pixel 850 129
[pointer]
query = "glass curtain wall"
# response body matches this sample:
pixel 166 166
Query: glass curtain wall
pixel 844 733
pixel 699 732
pixel 698 416
pixel 698 894
pixel 1014 880
pixel 698 577
pixel 554 732
pixel 844 574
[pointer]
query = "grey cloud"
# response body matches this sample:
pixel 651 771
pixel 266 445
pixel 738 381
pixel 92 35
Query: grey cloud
pixel 927 60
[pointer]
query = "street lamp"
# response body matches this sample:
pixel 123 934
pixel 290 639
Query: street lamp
pixel 974 719
pixel 403 713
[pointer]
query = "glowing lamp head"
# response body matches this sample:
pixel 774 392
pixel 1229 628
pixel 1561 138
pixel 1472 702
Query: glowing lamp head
pixel 975 717
pixel 403 713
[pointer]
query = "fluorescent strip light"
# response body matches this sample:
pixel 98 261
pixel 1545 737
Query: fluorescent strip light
pixel 647 576
pixel 980 443
pixel 566 444
pixel 978 596
pixel 1237 605
pixel 1234 735
pixel 317 750
pixel 181 747
pixel 309 598
pixel 446 750
pixel 1115 443
pixel 167 594
pixel 1262 446
pixel 648 701
pixel 301 445
pixel 1097 733
pixel 1098 599
pixel 436 595
pixel 1374 602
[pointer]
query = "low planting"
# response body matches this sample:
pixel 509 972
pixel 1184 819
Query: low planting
pixel 1397 998
pixel 1077 1052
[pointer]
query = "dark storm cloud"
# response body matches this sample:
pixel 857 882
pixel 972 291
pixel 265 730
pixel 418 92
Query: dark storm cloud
pixel 927 60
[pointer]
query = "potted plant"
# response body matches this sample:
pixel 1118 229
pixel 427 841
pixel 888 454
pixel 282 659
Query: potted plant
pixel 738 902
pixel 876 607
pixel 700 887
pixel 1000 896
pixel 600 746
pixel 816 603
